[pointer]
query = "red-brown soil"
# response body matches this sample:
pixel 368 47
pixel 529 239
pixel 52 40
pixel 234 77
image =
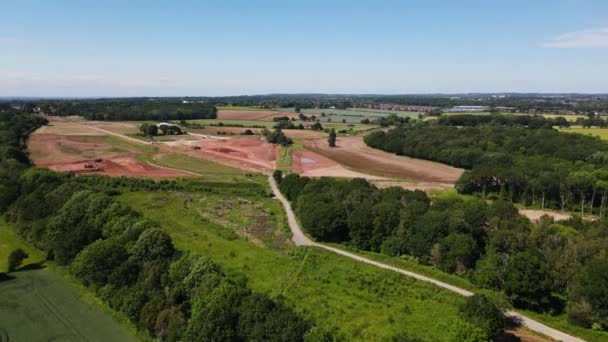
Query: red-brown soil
pixel 250 153
pixel 312 164
pixel 353 153
pixel 116 166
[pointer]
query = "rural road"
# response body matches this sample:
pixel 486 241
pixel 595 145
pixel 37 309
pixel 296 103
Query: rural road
pixel 301 240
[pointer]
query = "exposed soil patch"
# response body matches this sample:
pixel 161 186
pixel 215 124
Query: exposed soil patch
pixel 126 165
pixel 248 153
pixel 354 154
pixel 535 215
pixel 311 164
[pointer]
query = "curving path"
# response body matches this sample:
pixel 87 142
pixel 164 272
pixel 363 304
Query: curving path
pixel 302 240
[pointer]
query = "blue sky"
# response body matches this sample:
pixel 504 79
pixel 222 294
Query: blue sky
pixel 174 48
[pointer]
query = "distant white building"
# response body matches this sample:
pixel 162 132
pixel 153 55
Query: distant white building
pixel 457 109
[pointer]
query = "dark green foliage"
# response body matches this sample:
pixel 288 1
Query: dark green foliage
pixel 148 129
pixel 588 295
pixel 527 281
pixel 277 175
pixel 520 157
pixel 131 109
pixel 316 126
pixel 484 314
pixel 96 263
pixel 16 258
pixel 332 138
pixel 276 137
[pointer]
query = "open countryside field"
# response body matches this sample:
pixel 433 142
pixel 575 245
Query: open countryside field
pixel 351 115
pixel 602 133
pixel 357 302
pixel 353 153
pixel 38 304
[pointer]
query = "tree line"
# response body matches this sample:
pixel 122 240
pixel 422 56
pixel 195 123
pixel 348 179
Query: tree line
pixel 541 166
pixel 535 265
pixel 127 260
pixel 130 109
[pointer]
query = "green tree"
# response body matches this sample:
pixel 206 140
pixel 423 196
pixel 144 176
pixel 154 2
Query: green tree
pixel 588 295
pixel 278 176
pixel 16 258
pixel 332 138
pixel 484 314
pixel 527 280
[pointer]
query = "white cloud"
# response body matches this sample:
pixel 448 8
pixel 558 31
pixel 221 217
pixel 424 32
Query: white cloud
pixel 580 39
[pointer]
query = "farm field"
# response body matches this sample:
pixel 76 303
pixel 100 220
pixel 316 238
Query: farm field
pixel 38 304
pixel 351 115
pixel 353 153
pixel 357 302
pixel 602 133
pixel 220 124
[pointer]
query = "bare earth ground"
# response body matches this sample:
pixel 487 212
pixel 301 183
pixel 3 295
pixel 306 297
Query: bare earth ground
pixel 69 146
pixel 535 215
pixel 250 153
pixel 353 153
pixel 311 164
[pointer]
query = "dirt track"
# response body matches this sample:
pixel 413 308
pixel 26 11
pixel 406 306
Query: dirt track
pixel 353 153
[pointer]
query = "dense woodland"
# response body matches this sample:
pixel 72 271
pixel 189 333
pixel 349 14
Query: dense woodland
pixel 137 109
pixel 534 165
pixel 546 266
pixel 129 261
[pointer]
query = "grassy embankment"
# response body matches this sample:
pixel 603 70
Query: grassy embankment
pixel 353 300
pixel 43 302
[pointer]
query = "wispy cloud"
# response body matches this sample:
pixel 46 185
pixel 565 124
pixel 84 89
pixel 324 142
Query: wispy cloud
pixel 580 39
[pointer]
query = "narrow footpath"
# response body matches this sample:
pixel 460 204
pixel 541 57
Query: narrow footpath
pixel 302 240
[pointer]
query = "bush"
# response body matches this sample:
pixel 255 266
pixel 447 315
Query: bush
pixel 16 258
pixel 484 314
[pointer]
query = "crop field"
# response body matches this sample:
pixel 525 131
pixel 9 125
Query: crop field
pixel 351 115
pixel 248 108
pixel 355 301
pixel 37 304
pixel 221 124
pixel 602 133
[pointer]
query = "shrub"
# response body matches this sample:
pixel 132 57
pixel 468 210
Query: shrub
pixel 16 258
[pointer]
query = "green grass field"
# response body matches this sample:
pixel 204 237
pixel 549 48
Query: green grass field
pixel 355 301
pixel 41 304
pixel 602 133
pixel 209 170
pixel 351 115
pixel 9 241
